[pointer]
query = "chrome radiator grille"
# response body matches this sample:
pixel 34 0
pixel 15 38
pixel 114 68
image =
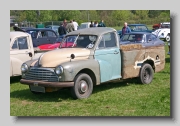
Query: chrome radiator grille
pixel 42 74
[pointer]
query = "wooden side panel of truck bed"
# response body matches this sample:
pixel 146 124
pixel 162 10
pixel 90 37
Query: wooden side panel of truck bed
pixel 133 56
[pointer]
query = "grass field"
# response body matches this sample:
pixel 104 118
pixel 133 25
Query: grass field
pixel 128 98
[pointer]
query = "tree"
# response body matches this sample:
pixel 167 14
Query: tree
pixel 154 13
pixel 143 14
pixel 121 14
pixel 69 14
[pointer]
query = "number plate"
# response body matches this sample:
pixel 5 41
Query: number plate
pixel 37 88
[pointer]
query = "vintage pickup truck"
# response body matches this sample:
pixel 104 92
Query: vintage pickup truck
pixel 21 50
pixel 95 57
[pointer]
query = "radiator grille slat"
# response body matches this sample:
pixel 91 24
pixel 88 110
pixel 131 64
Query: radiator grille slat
pixel 42 74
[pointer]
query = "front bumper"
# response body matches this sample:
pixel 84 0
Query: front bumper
pixel 46 84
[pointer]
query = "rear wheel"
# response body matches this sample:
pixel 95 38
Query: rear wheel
pixel 167 38
pixel 83 86
pixel 146 74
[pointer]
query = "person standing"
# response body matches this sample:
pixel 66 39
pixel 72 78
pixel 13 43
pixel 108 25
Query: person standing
pixel 70 26
pixel 125 29
pixel 64 22
pixel 95 24
pixel 101 24
pixel 75 25
pixel 61 30
pixel 92 24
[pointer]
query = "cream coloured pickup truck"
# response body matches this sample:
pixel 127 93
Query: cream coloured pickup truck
pixel 94 56
pixel 21 50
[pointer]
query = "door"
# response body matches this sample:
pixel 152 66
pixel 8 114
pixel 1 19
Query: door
pixel 42 38
pixel 19 53
pixel 108 55
pixel 51 36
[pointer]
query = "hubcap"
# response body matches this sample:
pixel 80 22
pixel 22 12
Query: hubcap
pixel 83 86
pixel 168 38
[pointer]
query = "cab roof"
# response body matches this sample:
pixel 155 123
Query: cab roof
pixel 92 31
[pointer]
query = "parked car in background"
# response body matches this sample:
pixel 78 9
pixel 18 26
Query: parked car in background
pixel 84 25
pixel 41 36
pixel 52 45
pixel 136 28
pixel 161 25
pixel 163 33
pixel 144 38
pixel 165 25
pixel 21 50
pixel 23 29
pixel 169 48
pixel 59 43
pixel 53 27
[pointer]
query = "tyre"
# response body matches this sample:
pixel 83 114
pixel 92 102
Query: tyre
pixel 83 86
pixel 167 38
pixel 146 74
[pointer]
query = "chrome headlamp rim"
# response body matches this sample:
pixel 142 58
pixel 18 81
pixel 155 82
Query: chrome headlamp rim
pixel 24 68
pixel 58 70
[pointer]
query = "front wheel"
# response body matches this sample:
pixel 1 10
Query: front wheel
pixel 83 86
pixel 146 74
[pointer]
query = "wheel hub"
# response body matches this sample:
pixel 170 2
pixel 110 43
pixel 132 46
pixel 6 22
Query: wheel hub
pixel 83 86
pixel 168 38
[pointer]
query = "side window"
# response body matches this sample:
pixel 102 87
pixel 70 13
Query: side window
pixel 22 43
pixel 39 35
pixel 51 34
pixel 15 45
pixel 143 28
pixel 101 44
pixel 132 37
pixel 44 34
pixel 109 40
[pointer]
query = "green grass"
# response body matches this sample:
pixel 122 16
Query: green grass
pixel 11 29
pixel 127 98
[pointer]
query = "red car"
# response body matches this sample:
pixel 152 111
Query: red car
pixel 51 46
pixel 68 42
pixel 161 25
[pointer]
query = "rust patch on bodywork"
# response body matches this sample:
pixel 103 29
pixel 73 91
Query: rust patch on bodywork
pixel 133 57
pixel 130 47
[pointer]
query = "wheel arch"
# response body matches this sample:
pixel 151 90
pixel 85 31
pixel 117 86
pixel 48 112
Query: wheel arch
pixel 151 62
pixel 88 72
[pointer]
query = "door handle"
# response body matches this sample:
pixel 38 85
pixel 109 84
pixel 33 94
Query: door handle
pixel 29 53
pixel 116 52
